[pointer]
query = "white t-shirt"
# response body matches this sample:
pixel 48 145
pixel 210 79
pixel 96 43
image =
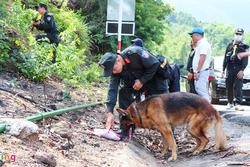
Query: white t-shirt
pixel 202 48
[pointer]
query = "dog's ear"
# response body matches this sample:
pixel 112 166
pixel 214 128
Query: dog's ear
pixel 122 112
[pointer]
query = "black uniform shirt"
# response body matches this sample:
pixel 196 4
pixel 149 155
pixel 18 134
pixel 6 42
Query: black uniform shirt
pixel 231 60
pixel 48 24
pixel 140 64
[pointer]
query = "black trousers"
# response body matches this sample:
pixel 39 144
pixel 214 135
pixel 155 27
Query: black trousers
pixel 174 82
pixel 234 86
pixel 53 39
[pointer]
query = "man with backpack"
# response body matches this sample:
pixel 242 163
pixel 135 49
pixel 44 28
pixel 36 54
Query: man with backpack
pixel 133 72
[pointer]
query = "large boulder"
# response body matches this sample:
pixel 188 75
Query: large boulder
pixel 22 129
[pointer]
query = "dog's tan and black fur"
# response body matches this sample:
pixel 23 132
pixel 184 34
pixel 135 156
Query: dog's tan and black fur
pixel 166 111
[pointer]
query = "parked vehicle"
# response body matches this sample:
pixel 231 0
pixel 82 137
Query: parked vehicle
pixel 217 84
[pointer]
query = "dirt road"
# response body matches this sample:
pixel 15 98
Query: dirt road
pixel 92 151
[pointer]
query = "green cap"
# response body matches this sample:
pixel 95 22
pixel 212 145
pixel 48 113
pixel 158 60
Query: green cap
pixel 107 62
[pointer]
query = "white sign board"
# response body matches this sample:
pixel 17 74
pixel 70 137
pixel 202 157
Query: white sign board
pixel 128 10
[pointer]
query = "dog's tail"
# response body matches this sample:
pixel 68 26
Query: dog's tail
pixel 220 137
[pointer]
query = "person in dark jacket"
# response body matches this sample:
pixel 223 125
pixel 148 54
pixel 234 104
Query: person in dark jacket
pixel 48 25
pixel 174 81
pixel 190 76
pixel 235 69
pixel 169 72
pixel 132 73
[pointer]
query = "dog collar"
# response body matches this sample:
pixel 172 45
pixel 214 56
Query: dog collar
pixel 139 115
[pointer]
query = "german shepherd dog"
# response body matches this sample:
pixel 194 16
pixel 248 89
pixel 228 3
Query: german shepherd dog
pixel 166 111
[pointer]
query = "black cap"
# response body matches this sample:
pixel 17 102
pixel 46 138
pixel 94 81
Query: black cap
pixel 42 5
pixel 107 62
pixel 137 42
pixel 239 31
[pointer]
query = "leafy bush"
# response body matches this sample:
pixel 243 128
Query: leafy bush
pixel 33 60
pixel 35 64
pixel 4 41
pixel 4 44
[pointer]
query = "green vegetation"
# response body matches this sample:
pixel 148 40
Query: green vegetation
pixel 82 30
pixel 4 42
pixel 176 43
pixel 150 23
pixel 34 60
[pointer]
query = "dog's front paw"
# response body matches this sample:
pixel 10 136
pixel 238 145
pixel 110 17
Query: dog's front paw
pixel 172 158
